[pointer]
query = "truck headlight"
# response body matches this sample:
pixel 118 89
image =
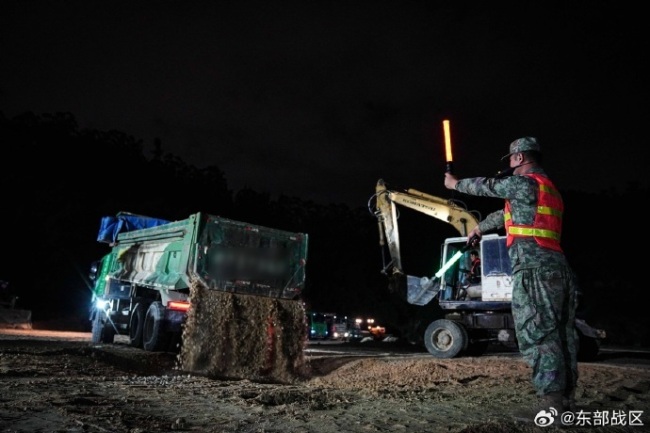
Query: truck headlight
pixel 102 304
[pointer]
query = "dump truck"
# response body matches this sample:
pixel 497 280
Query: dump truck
pixel 205 284
pixel 469 314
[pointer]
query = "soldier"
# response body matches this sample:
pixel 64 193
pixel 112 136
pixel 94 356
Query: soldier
pixel 544 285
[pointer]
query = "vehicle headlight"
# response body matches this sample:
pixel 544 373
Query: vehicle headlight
pixel 102 304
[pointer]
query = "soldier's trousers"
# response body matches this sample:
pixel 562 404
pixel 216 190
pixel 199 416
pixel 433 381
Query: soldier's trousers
pixel 543 308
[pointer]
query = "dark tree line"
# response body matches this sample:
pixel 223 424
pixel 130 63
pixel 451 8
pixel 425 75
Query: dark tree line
pixel 59 180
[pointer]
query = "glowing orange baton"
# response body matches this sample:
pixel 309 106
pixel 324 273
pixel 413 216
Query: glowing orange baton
pixel 450 159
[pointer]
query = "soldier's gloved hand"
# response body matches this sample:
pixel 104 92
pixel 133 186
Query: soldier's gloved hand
pixel 474 236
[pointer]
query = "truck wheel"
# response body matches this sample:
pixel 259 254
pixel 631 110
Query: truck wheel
pixel 102 331
pixel 136 324
pixel 445 338
pixel 98 327
pixel 154 338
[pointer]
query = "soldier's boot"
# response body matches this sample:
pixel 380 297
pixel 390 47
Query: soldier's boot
pixel 549 405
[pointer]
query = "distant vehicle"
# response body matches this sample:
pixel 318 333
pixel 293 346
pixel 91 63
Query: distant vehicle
pixel 339 328
pixel 362 328
pixel 327 326
pixel 318 326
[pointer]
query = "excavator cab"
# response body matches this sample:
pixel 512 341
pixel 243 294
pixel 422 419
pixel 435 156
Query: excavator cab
pixel 460 284
pixel 495 283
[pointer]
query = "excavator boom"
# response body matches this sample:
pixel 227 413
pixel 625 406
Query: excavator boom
pixel 385 211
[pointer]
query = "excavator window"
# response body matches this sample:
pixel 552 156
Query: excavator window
pixel 454 276
pixel 495 260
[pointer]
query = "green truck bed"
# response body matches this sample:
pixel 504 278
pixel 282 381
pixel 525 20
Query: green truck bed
pixel 219 253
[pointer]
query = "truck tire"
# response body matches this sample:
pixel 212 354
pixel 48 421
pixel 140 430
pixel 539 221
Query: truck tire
pixel 445 338
pixel 154 337
pixel 136 325
pixel 102 331
pixel 98 327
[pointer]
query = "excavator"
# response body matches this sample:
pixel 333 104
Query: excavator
pixel 470 313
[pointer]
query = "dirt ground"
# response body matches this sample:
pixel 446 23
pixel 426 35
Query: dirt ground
pixel 68 385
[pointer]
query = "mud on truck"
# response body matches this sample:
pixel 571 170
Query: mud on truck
pixel 146 285
pixel 470 314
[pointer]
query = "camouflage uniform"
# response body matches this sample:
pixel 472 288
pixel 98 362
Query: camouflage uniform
pixel 544 287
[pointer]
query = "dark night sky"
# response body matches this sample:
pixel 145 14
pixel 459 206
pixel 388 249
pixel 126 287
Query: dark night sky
pixel 319 99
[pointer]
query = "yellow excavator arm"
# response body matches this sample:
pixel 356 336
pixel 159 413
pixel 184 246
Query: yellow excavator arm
pixel 386 212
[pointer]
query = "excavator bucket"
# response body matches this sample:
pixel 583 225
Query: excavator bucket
pixel 421 291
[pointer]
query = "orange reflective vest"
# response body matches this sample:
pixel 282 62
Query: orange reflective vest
pixel 547 225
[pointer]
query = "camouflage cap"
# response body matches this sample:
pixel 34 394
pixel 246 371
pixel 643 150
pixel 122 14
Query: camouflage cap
pixel 523 144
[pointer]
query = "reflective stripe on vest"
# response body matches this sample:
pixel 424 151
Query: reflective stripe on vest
pixel 547 225
pixel 523 231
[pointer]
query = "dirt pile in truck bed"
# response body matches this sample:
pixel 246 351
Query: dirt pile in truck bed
pixel 231 336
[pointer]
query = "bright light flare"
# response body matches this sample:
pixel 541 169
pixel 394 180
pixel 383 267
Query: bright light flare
pixel 102 304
